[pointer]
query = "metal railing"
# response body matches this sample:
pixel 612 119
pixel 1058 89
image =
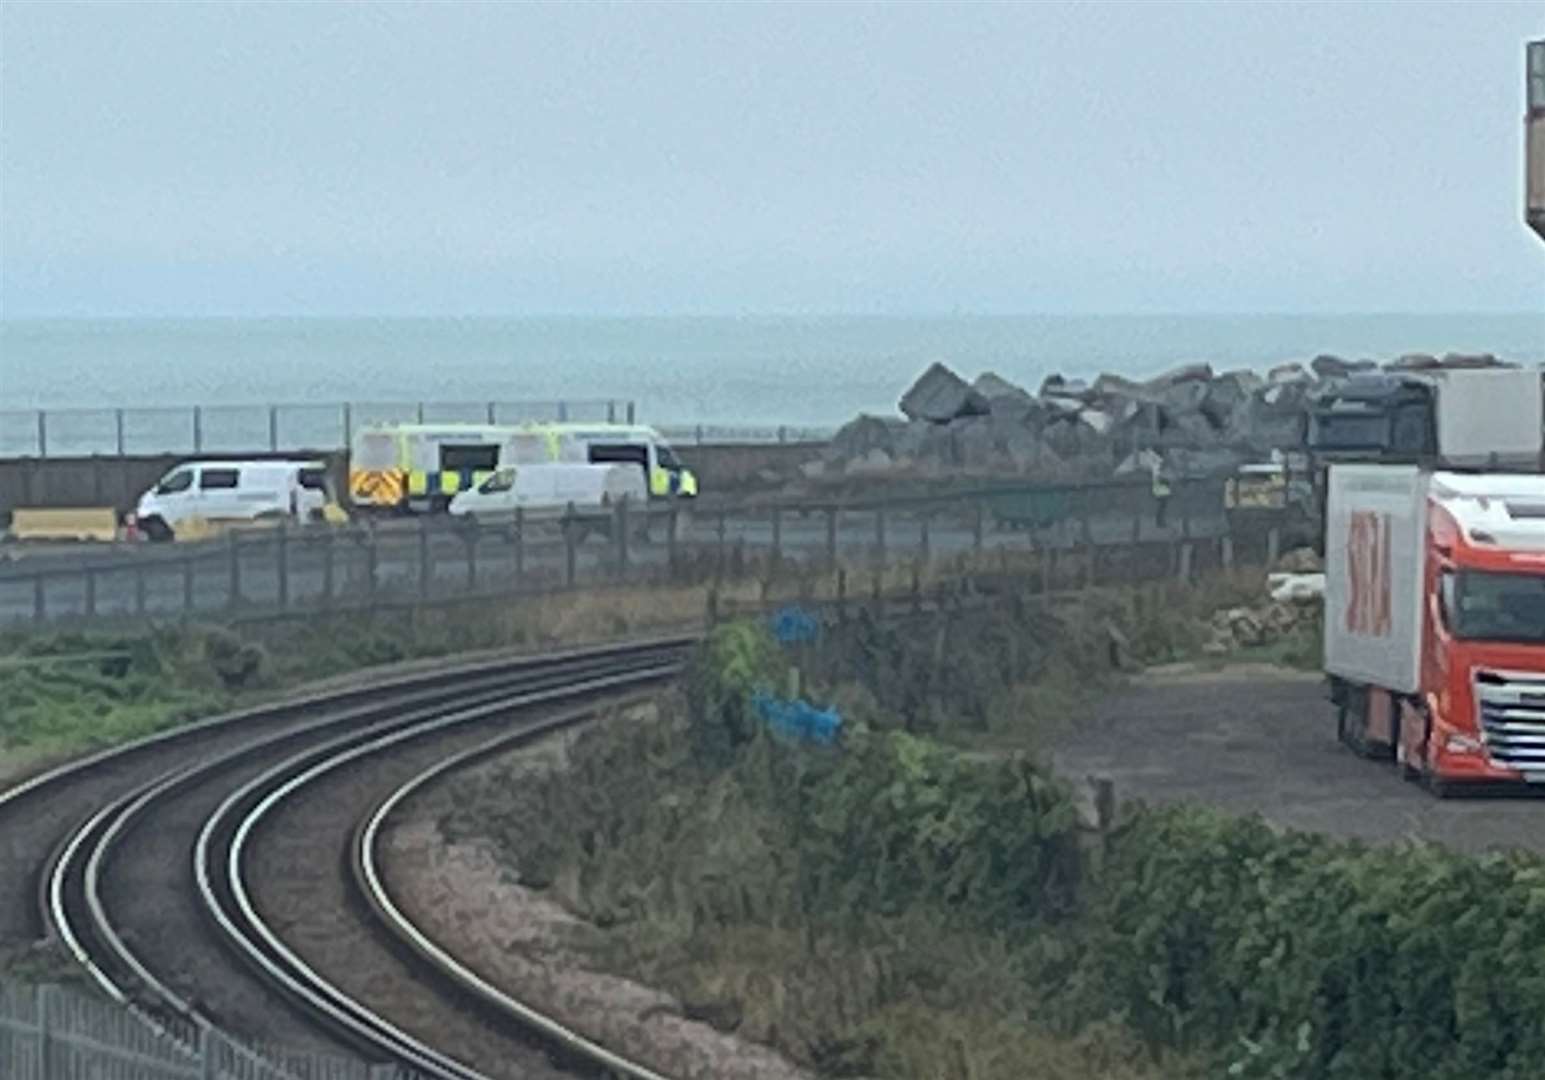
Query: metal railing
pixel 198 429
pixel 56 1033
pixel 406 562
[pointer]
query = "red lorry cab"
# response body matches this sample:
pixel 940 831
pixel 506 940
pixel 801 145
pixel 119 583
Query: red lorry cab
pixel 1435 620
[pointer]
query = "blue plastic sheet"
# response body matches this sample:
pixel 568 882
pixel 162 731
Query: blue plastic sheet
pixel 798 720
pixel 794 625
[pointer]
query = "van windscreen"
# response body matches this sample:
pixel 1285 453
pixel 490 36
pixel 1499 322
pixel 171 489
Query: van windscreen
pixel 376 452
pixel 474 458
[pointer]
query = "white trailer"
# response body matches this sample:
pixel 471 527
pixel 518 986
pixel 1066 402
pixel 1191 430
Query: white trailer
pixel 1376 528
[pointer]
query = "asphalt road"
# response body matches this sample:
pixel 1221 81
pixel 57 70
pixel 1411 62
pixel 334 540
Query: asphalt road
pixel 168 579
pixel 1260 739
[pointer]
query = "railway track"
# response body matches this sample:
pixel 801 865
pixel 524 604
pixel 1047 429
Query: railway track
pixel 200 879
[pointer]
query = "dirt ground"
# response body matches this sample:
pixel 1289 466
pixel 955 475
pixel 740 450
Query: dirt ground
pixel 1258 738
pixel 526 944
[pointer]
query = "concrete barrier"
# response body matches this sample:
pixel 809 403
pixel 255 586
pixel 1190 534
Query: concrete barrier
pixel 99 523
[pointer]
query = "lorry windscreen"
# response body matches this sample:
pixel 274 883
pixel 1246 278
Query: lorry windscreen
pixel 1491 606
pixel 1350 431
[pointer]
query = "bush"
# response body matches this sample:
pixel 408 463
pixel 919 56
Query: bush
pixel 1315 958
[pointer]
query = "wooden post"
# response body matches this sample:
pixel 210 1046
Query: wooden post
pixel 777 535
pixel 719 558
pixel 1226 552
pixel 189 568
pixel 842 596
pixel 831 537
pixel 1187 551
pixel 39 599
pixel 1273 546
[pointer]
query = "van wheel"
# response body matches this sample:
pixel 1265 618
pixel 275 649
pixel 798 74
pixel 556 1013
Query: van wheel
pixel 155 529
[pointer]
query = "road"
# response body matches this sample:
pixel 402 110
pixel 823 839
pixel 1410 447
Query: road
pixel 1260 739
pixel 162 580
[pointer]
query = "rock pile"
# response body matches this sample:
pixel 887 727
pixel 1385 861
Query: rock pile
pixel 1202 421
pixel 1295 597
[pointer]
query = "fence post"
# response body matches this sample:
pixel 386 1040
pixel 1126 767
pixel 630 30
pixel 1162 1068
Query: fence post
pixel 879 533
pixel 672 526
pixel 1226 552
pixel 348 425
pixel 1273 546
pixel 632 412
pixel 978 526
pixel 418 413
pixel 273 428
pixel 719 558
pixel 233 554
pixel 520 545
pixel 1186 555
pixel 39 599
pixel 777 535
pixel 831 537
pixel 842 596
pixel 620 529
pixel 206 1052
pixel 139 589
pixel 472 537
pixel 700 434
pixel 329 543
pixel 42 433
pixel 282 564
pixel 372 563
pixel 50 1061
pixel 563 412
pixel 425 568
pixel 198 429
pixel 491 412
pixel 922 535
pixel 118 429
pixel 188 568
pixel 611 412
pixel 570 545
pixel 1048 568
pixel 91 592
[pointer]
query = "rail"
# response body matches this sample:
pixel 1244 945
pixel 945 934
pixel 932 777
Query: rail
pixel 274 428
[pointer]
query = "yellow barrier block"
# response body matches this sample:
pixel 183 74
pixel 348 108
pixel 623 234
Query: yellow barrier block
pixel 65 523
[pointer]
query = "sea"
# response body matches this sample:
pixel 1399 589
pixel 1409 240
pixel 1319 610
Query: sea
pixel 763 370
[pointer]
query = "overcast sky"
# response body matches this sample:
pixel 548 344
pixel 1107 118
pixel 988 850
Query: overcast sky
pixel 511 159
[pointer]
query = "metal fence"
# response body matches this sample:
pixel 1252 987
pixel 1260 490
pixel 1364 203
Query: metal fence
pixel 197 429
pixel 280 571
pixel 57 1033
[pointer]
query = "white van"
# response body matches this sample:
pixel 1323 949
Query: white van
pixel 538 487
pixel 222 491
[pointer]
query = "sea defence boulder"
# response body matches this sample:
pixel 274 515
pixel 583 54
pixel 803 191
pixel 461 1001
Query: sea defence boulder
pixel 939 396
pixel 1201 421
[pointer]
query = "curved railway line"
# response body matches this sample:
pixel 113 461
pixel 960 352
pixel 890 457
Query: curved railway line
pixel 220 877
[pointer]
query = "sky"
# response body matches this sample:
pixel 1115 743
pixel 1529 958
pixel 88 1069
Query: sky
pixel 508 159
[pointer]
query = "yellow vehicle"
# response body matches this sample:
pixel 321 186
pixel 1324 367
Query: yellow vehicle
pixel 423 466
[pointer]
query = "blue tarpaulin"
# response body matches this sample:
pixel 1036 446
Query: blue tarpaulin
pixel 792 625
pixel 797 720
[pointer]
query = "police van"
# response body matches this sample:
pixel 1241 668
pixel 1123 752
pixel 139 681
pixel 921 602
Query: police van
pixel 422 467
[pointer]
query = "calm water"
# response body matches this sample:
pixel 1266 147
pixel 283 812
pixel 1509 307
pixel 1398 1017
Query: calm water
pixel 813 371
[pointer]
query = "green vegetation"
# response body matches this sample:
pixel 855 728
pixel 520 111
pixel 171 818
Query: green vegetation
pixel 904 905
